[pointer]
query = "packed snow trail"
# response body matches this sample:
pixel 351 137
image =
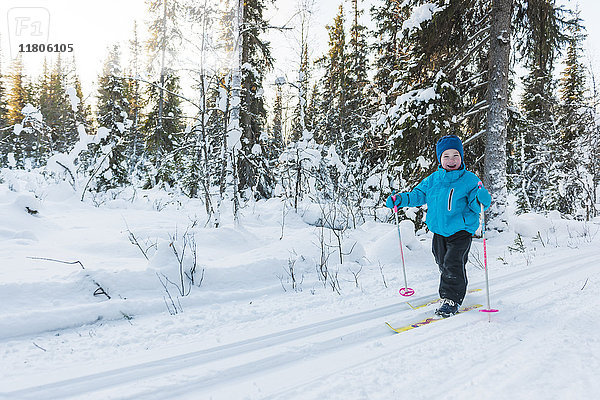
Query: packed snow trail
pixel 292 361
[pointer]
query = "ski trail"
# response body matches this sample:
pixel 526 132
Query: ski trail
pixel 475 372
pixel 267 365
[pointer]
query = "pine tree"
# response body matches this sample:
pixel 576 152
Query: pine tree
pixel 3 102
pixel 256 60
pixel 300 124
pixel 163 127
pixel 330 129
pixel 4 127
pixel 437 82
pixel 573 84
pixel 430 80
pixel 358 96
pixel 542 38
pixel 388 35
pixel 17 97
pixel 275 142
pixel 29 142
pixel 83 114
pixel 136 103
pixel 112 114
pixel 578 144
pixel 55 106
pixel 164 34
pixel 5 147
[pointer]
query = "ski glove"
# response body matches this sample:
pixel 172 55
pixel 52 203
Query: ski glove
pixel 391 203
pixel 483 197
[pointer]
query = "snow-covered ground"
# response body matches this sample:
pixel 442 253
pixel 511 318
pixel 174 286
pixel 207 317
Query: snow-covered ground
pixel 245 332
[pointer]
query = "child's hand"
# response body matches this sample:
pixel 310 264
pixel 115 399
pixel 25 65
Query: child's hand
pixel 393 200
pixel 483 197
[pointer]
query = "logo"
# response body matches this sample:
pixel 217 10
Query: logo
pixel 27 26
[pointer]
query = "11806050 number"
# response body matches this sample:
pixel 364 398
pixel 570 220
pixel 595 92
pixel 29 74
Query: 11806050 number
pixel 45 48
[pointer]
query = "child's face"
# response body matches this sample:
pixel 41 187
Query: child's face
pixel 451 160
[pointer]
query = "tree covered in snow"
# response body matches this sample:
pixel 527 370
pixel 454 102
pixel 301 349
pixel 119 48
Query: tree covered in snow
pixel 345 128
pixel 161 124
pixel 54 97
pixel 163 128
pixel 540 35
pixel 112 114
pixel 18 95
pixel 256 60
pixel 331 123
pixel 579 144
pixel 136 102
pixel 4 126
pixel 430 81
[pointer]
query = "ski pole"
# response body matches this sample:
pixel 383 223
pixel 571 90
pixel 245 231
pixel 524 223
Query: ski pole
pixel 487 281
pixel 405 291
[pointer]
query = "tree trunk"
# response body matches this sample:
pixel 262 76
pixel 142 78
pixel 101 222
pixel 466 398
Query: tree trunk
pixel 497 114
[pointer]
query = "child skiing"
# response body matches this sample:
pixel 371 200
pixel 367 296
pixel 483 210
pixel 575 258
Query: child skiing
pixel 453 196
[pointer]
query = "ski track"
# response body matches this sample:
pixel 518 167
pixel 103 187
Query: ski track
pixel 266 366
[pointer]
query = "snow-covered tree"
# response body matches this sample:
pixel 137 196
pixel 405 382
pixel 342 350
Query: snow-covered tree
pixel 578 146
pixel 112 114
pixel 540 37
pixel 256 60
pixel 330 122
pixel 136 103
pixel 163 127
pixel 17 96
pixel 165 37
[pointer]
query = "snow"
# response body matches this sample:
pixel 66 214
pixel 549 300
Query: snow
pixel 32 112
pixel 73 98
pixel 248 331
pixel 420 14
pixel 18 128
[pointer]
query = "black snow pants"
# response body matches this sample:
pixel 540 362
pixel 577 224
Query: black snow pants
pixel 451 255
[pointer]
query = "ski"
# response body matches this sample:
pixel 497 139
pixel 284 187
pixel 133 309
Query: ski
pixel 436 300
pixel 428 321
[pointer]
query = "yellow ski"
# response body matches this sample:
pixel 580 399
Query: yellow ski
pixel 428 321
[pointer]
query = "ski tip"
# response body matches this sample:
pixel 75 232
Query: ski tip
pixel 491 310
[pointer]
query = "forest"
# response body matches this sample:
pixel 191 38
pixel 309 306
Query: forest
pixel 509 77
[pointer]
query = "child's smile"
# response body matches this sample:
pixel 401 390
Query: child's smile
pixel 451 160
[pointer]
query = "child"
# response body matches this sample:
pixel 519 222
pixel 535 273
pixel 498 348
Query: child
pixel 453 196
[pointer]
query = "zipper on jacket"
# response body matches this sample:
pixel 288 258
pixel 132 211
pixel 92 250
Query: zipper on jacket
pixel 450 199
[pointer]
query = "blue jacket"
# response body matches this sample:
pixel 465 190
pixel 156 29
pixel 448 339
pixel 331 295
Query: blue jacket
pixel 453 201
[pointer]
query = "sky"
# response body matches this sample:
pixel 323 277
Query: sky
pixel 91 26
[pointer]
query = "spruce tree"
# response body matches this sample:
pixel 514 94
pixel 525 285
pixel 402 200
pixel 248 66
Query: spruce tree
pixel 300 125
pixel 55 106
pixel 165 33
pixel 3 102
pixel 256 60
pixel 29 142
pixel 437 83
pixel 542 38
pixel 112 114
pixel 17 96
pixel 358 102
pixel 275 141
pixel 388 36
pixel 4 126
pixel 330 128
pixel 163 129
pixel 578 144
pixel 136 101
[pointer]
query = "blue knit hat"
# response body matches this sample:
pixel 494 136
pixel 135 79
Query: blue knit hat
pixel 448 142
